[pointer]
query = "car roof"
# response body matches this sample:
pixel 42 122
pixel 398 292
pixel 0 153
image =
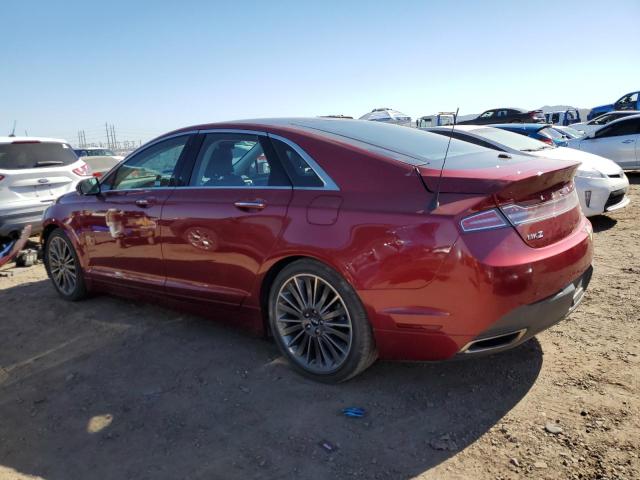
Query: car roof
pixel 31 139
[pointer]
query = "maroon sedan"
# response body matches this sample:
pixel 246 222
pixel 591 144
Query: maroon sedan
pixel 329 235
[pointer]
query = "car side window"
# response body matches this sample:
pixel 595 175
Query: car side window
pixel 237 160
pixel 153 167
pixel 299 170
pixel 487 114
pixel 630 127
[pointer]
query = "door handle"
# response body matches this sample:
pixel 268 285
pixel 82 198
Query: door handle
pixel 628 141
pixel 145 202
pixel 253 205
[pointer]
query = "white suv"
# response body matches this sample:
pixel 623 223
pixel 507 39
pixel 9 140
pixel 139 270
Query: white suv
pixel 34 172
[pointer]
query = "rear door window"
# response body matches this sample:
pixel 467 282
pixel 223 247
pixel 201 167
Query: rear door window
pixel 23 155
pixel 237 160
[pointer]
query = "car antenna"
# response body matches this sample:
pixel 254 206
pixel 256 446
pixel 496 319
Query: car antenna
pixel 13 132
pixel 436 198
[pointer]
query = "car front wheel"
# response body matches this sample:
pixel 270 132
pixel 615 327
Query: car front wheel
pixel 319 323
pixel 63 267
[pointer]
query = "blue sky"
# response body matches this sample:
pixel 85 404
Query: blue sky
pixel 151 66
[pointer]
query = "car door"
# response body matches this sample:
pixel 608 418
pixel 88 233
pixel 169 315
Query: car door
pixel 616 141
pixel 217 231
pixel 121 224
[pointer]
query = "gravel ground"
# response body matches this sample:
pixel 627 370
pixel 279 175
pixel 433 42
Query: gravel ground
pixel 113 389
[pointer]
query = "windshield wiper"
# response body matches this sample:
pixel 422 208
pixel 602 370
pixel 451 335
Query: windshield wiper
pixel 535 149
pixel 48 163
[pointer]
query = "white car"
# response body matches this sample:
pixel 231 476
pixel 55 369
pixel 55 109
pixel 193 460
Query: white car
pixel 34 172
pixel 100 160
pixel 601 184
pixel 618 140
pixel 601 120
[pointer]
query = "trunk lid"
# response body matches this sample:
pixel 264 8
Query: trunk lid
pixel 536 196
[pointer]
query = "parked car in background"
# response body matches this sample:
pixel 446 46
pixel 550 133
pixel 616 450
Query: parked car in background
pixel 506 115
pixel 563 117
pixel 618 140
pixel 333 248
pixel 438 120
pixel 596 123
pixel 630 101
pixel 387 115
pixel 601 184
pixel 34 172
pixel 100 160
pixel 542 132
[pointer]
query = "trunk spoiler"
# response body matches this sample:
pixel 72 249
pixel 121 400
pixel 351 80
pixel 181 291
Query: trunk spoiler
pixel 11 249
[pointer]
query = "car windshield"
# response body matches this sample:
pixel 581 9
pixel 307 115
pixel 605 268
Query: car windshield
pixel 100 152
pixel 33 154
pixel 414 146
pixel 511 139
pixel 571 132
pixel 551 133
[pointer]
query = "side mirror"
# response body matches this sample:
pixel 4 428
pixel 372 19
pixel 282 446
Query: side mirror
pixel 88 186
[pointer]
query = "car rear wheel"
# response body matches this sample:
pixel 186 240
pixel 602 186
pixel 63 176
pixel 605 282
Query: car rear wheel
pixel 319 323
pixel 63 267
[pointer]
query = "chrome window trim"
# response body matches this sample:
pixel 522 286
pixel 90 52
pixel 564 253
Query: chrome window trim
pixel 234 187
pixel 233 130
pixel 328 182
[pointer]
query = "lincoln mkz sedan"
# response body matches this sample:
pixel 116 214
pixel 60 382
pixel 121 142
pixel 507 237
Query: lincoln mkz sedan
pixel 344 240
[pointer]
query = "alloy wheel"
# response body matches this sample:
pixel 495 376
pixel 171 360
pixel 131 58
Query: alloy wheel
pixel 313 323
pixel 62 266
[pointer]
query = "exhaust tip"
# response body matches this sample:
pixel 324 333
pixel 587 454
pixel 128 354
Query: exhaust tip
pixel 493 343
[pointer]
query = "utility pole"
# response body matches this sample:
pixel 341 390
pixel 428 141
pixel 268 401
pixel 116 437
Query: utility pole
pixel 108 139
pixel 113 137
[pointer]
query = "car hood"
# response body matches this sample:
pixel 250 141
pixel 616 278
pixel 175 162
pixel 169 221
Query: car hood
pixel 604 165
pixel 605 108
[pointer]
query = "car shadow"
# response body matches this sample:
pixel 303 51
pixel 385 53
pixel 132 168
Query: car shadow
pixel 600 223
pixel 109 388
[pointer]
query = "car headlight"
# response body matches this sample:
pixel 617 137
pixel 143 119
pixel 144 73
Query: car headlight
pixel 589 172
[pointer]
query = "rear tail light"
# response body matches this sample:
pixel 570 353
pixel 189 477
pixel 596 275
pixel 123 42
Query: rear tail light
pixel 97 174
pixel 546 140
pixel 539 208
pixel 486 220
pixel 83 170
pixel 559 202
pixel 1 177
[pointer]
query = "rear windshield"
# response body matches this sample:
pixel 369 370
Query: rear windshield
pixel 17 156
pixel 416 147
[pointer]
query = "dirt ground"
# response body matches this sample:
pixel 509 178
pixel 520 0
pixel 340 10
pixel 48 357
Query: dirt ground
pixel 112 389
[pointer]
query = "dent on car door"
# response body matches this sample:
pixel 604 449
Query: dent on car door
pixel 121 225
pixel 217 231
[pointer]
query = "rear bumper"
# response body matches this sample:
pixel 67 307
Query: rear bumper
pixel 13 220
pixel 526 321
pixel 491 283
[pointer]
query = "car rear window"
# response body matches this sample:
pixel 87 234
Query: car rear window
pixel 22 155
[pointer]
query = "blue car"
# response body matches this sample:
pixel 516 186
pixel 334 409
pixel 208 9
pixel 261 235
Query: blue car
pixel 542 132
pixel 630 101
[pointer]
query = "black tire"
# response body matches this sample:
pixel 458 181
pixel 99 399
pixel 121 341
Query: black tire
pixel 358 353
pixel 78 290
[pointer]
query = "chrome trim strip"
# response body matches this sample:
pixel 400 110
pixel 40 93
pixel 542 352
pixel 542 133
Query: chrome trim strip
pixel 232 130
pixel 328 182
